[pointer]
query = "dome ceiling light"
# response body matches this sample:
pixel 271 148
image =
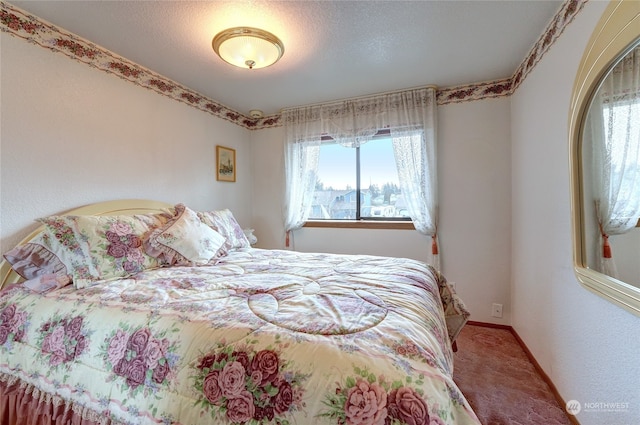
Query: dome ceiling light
pixel 247 47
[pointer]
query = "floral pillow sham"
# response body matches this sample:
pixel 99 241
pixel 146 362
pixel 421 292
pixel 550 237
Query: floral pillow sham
pixel 104 247
pixel 185 240
pixel 94 248
pixel 223 222
pixel 37 257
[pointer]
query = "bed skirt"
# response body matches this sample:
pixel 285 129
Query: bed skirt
pixel 24 404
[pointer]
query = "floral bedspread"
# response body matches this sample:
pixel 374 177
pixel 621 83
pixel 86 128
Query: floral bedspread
pixel 262 337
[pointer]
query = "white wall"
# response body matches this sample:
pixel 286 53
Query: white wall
pixel 588 347
pixel 73 135
pixel 475 219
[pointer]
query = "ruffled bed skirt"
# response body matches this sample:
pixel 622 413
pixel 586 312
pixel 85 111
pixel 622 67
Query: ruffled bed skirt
pixel 24 404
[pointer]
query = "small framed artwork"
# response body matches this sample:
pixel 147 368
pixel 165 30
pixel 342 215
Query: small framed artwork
pixel 225 164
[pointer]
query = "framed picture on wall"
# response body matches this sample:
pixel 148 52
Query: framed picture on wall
pixel 225 164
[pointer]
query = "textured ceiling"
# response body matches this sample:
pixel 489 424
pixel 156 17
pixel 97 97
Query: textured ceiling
pixel 333 49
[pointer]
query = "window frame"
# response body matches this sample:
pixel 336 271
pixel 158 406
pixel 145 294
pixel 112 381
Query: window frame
pixel 360 224
pixel 400 223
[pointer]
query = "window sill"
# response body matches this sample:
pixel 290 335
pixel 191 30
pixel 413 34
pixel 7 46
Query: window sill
pixel 362 224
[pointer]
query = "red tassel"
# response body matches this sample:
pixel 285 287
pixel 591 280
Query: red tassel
pixel 606 248
pixel 434 245
pixel 287 240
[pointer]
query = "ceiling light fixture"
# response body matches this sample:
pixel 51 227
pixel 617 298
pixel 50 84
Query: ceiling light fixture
pixel 247 47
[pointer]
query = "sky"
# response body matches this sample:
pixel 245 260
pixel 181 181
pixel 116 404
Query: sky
pixel 377 164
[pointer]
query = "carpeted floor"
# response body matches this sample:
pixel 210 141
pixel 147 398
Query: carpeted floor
pixel 501 384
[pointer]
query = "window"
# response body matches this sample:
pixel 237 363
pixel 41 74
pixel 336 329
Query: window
pixel 358 183
pixel 408 118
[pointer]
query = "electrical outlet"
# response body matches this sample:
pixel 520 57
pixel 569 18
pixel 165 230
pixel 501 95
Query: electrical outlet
pixel 496 310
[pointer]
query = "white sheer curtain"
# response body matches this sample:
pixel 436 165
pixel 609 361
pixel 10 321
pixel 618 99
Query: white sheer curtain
pixel 408 115
pixel 614 128
pixel 414 148
pixel 352 123
pixel 302 150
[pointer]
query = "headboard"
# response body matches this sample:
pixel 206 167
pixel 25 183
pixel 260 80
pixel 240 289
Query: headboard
pixel 116 207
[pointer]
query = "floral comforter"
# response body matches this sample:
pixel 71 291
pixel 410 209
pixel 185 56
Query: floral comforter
pixel 262 337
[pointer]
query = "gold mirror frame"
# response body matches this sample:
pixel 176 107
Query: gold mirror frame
pixel 617 29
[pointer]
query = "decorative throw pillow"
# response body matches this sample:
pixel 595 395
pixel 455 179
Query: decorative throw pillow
pixel 36 257
pixel 105 247
pixel 224 222
pixel 185 240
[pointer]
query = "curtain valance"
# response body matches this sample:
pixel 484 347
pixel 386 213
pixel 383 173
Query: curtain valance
pixel 352 122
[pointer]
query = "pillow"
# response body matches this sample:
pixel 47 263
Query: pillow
pixel 185 240
pixel 225 223
pixel 36 258
pixel 104 247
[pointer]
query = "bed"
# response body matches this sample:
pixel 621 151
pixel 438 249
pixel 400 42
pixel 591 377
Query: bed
pixel 152 328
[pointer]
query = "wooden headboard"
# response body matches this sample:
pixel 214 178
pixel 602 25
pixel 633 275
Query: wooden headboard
pixel 118 207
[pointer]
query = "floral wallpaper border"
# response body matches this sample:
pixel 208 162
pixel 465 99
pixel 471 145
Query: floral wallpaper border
pixel 18 23
pixel 508 86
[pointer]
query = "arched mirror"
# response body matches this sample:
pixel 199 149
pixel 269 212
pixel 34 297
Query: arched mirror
pixel 605 158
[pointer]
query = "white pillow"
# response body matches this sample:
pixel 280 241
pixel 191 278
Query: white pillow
pixel 188 237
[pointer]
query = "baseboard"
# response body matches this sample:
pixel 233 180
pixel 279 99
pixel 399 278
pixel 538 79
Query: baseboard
pixel 490 325
pixel 534 362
